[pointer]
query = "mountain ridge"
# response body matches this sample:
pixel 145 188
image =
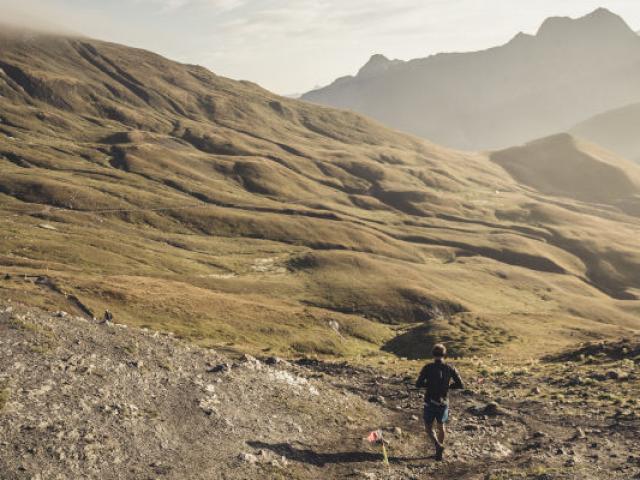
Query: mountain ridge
pixel 505 95
pixel 376 65
pixel 601 20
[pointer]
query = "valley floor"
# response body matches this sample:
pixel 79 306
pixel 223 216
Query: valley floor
pixel 79 399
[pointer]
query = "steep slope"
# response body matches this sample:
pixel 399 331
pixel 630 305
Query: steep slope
pixel 188 202
pixel 616 130
pixel 531 87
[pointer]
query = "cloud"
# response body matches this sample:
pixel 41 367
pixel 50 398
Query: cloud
pixel 168 6
pixel 39 15
pixel 333 14
pixel 292 45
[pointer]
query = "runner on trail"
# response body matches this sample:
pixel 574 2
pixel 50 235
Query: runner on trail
pixel 437 377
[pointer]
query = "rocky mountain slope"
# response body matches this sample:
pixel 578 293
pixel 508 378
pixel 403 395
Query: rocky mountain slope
pixel 102 401
pixel 187 202
pixel 616 130
pixel 532 87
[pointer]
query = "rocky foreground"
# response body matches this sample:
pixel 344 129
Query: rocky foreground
pixel 81 399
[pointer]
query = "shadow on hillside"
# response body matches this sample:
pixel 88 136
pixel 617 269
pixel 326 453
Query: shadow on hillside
pixel 416 344
pixel 309 456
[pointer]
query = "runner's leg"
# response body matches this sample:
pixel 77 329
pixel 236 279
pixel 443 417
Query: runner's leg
pixel 430 433
pixel 442 433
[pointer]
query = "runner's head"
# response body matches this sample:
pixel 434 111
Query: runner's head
pixel 439 351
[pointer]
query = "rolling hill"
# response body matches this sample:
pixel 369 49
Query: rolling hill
pixel 188 202
pixel 566 166
pixel 616 130
pixel 531 87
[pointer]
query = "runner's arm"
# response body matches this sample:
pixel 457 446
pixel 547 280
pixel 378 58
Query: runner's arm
pixel 422 379
pixel 457 381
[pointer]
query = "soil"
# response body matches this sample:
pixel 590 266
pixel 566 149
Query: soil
pixel 84 399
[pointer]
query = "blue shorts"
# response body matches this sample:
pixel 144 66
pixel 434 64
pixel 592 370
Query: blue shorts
pixel 439 413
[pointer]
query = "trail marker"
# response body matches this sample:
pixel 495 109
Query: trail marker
pixel 376 438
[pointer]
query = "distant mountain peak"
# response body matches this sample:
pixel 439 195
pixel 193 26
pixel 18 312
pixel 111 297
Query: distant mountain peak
pixel 521 37
pixel 602 13
pixel 598 22
pixel 376 65
pixel 536 84
pixel 378 58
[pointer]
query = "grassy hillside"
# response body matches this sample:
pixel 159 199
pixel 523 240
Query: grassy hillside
pixel 188 202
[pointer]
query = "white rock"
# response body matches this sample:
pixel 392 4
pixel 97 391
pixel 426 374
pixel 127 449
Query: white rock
pixel 248 458
pixel 498 450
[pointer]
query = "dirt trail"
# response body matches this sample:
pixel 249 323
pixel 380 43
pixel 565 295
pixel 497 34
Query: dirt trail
pixel 85 400
pixel 518 437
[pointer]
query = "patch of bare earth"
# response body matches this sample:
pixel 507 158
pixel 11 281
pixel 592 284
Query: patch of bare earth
pixel 82 399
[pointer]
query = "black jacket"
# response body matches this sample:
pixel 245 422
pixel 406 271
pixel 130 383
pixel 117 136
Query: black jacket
pixel 437 378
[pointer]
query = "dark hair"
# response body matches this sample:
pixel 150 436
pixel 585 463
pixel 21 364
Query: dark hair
pixel 439 350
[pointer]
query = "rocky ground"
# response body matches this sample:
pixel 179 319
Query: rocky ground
pixel 82 399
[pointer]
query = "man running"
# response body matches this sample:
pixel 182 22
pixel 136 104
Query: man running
pixel 437 377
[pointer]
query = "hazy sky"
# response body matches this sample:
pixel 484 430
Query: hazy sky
pixel 289 46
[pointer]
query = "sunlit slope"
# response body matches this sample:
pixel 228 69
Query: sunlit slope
pixel 186 201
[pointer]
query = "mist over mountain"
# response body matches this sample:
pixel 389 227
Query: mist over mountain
pixel 616 130
pixel 531 87
pixel 566 166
